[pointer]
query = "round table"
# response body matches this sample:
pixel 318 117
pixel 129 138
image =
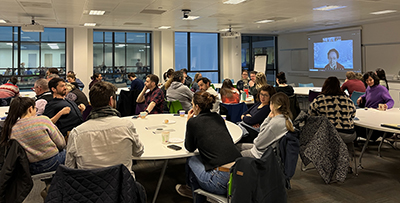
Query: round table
pixel 305 90
pixel 371 119
pixel 154 149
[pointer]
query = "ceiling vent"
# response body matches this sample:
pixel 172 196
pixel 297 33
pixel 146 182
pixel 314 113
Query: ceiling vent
pixel 152 11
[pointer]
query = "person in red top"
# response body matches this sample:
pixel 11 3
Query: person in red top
pixel 9 89
pixel 229 94
pixel 352 83
pixel 154 98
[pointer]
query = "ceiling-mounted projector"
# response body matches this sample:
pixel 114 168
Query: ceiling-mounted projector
pixel 33 27
pixel 230 34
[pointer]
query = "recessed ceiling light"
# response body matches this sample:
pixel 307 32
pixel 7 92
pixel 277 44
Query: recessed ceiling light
pixel 2 21
pixel 9 44
pixel 53 46
pixel 164 27
pixel 233 1
pixel 96 13
pixel 89 24
pixel 191 18
pixel 265 21
pixel 224 30
pixel 383 12
pixel 328 8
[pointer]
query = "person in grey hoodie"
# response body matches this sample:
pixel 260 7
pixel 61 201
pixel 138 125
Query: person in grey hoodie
pixel 178 91
pixel 274 127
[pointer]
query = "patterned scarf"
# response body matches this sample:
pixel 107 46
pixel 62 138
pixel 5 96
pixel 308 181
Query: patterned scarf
pixel 103 112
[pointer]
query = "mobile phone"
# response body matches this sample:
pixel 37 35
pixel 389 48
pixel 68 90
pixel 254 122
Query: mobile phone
pixel 174 147
pixel 135 116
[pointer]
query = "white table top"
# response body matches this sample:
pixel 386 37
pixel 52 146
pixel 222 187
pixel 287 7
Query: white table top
pixel 153 147
pixel 372 119
pixel 30 94
pixel 305 90
pixel 3 110
pixel 219 85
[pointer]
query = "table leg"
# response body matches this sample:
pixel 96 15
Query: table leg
pixel 380 144
pixel 160 180
pixel 369 134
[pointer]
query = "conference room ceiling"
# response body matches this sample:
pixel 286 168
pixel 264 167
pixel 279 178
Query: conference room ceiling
pixel 289 15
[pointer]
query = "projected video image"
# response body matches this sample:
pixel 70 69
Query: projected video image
pixel 333 54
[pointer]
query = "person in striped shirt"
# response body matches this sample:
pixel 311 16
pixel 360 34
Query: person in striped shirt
pixel 43 142
pixel 9 89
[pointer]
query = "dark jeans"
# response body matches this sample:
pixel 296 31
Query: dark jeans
pixel 47 165
pixel 211 181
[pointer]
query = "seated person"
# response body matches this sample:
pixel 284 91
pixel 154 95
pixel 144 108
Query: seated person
pixel 337 107
pixel 178 91
pixel 195 86
pixel 79 83
pixel 382 77
pixel 282 86
pixel 261 80
pixel 43 95
pixel 41 139
pixel 274 127
pixel 205 85
pixel 188 80
pixel 229 94
pixel 9 89
pixel 104 139
pixel 375 93
pixel 352 84
pixel 256 114
pixel 207 132
pixel 136 83
pixel 154 98
pixel 244 82
pixel 74 94
pixel 62 112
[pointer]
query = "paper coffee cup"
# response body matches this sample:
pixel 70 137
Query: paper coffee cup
pixel 165 137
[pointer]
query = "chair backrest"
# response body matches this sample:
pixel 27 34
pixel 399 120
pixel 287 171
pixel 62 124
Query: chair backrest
pixel 355 95
pixel 312 95
pixel 109 184
pixel 86 112
pixel 235 111
pixel 174 106
pixel 306 85
pixel 212 85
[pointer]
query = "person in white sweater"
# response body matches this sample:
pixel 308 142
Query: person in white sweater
pixel 274 127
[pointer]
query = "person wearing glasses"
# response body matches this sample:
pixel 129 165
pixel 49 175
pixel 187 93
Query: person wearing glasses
pixel 244 82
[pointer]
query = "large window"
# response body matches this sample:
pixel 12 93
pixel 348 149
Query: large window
pixel 259 45
pixel 29 54
pixel 117 53
pixel 198 52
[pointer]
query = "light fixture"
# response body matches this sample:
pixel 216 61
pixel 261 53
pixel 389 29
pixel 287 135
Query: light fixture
pixel 328 8
pixel 9 44
pixel 53 46
pixel 96 13
pixel 233 1
pixel 265 21
pixel 224 30
pixel 191 18
pixel 2 21
pixel 383 12
pixel 164 27
pixel 89 24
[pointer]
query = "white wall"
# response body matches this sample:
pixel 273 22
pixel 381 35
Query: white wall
pixel 230 58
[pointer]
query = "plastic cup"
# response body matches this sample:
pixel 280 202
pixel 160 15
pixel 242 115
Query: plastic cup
pixel 247 92
pixel 181 113
pixel 143 114
pixel 165 137
pixel 224 117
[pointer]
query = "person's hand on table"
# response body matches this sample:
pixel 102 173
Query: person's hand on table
pixel 190 114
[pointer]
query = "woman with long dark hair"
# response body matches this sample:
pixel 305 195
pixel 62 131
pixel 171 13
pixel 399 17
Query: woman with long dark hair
pixel 207 132
pixel 282 86
pixel 382 77
pixel 43 142
pixel 95 78
pixel 229 94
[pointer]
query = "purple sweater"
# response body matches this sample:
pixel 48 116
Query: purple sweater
pixel 376 95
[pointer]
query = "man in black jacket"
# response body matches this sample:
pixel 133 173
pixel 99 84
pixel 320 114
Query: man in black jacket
pixel 65 114
pixel 43 95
